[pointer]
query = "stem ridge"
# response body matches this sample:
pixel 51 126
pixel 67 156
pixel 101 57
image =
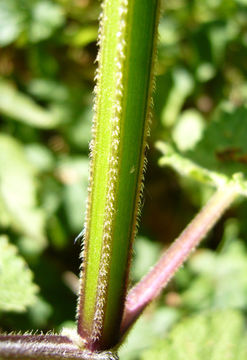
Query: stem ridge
pixel 113 174
pixel 127 35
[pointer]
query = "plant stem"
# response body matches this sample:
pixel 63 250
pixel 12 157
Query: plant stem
pixel 40 347
pixel 46 347
pixel 158 277
pixel 122 108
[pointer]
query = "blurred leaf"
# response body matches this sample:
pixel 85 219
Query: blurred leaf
pixel 219 280
pixel 37 19
pixel 146 253
pixel 80 132
pixel 18 191
pixel 82 36
pixel 30 247
pixel 205 72
pixel 188 129
pixel 185 167
pixel 188 168
pixel 219 37
pixel 46 16
pixel 223 147
pixel 221 154
pixel 40 157
pixel 57 233
pixel 168 31
pixel 182 87
pixel 73 172
pixel 39 312
pixel 11 21
pixel 48 89
pixel 144 334
pixel 214 336
pixel 17 290
pixel 21 107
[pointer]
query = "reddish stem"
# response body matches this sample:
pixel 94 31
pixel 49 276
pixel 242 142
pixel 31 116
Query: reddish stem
pixel 46 347
pixel 158 277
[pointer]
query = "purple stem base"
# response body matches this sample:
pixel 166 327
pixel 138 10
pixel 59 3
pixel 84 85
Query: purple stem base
pixel 46 347
pixel 158 277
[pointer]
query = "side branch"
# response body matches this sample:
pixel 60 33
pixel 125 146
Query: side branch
pixel 158 277
pixel 46 347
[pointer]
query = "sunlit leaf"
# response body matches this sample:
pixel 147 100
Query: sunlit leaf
pixel 223 147
pixel 218 280
pixel 146 253
pixel 147 330
pixel 21 107
pixel 188 130
pixel 11 21
pixel 73 173
pixel 214 336
pixel 221 154
pixel 182 87
pixel 17 290
pixel 18 191
pixel 46 16
pixel 36 19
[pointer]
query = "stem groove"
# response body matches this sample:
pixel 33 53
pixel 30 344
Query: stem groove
pixel 120 127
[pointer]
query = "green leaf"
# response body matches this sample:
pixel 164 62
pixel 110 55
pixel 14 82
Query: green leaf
pixel 220 156
pixel 188 129
pixel 40 157
pixel 147 330
pixel 73 172
pixel 16 280
pixel 214 336
pixel 82 36
pixel 11 21
pixel 182 87
pixel 80 131
pixel 188 168
pixel 21 107
pixel 223 147
pixel 40 312
pixel 18 192
pixel 47 89
pixel 46 16
pixel 36 19
pixel 218 280
pixel 146 253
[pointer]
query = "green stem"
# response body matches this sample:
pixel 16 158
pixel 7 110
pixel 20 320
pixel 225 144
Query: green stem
pixel 122 110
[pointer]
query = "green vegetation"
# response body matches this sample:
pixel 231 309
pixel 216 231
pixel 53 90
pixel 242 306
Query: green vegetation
pixel 47 72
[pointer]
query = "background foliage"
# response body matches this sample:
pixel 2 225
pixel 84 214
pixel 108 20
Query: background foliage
pixel 47 52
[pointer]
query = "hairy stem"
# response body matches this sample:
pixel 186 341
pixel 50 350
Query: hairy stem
pixel 122 107
pixel 152 284
pixel 46 347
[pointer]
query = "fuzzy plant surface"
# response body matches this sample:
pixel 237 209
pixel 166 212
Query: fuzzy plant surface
pixel 106 310
pixel 121 124
pixel 124 83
